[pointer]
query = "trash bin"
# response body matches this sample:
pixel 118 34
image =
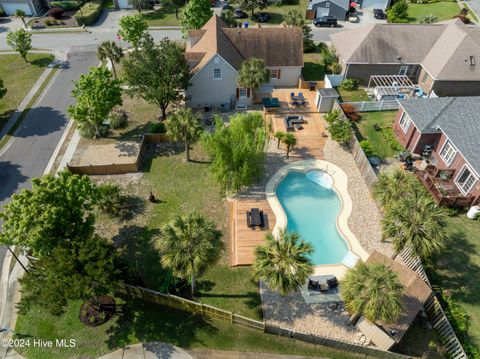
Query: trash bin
pixel 207 108
pixel 245 24
pixel 312 86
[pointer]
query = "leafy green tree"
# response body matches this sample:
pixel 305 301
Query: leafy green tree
pixel 238 150
pixel 252 74
pixel 415 221
pixel 340 131
pixel 279 135
pixel 373 291
pixel 251 5
pixel 3 90
pixel 195 15
pixel 56 211
pixel 290 141
pixel 229 18
pixel 111 51
pixel 189 245
pixel 400 9
pixel 393 186
pixel 184 126
pixel 97 93
pixel 83 269
pixel 21 14
pixel 133 28
pixel 140 5
pixel 157 73
pixel 293 18
pixel 283 263
pixel 20 41
pixel 427 19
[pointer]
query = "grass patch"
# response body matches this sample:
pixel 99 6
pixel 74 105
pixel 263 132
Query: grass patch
pixel 18 77
pixel 457 266
pixel 23 115
pixel 143 322
pixel 357 95
pixel 443 10
pixel 313 69
pixel 364 129
pixel 165 16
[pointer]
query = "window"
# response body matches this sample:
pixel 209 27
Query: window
pixel 403 70
pixel 327 4
pixel 242 92
pixel 465 180
pixel 448 153
pixel 217 74
pixel 274 74
pixel 405 122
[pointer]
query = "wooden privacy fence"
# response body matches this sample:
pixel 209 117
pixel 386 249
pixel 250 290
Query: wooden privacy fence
pixel 219 314
pixel 119 168
pixel 370 106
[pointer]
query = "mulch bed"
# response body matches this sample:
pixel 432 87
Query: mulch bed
pixel 67 20
pixel 97 311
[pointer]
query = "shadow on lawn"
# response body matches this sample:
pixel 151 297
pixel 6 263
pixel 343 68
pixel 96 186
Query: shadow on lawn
pixel 148 322
pixel 42 61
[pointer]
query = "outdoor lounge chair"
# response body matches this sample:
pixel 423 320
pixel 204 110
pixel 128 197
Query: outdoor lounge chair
pixel 313 284
pixel 332 282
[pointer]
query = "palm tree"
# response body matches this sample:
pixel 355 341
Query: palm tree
pixel 21 14
pixel 189 245
pixel 252 74
pixel 290 141
pixel 184 126
pixel 373 291
pixel 279 135
pixel 415 221
pixel 111 51
pixel 392 186
pixel 283 263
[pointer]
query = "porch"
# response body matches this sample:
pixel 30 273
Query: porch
pixel 440 184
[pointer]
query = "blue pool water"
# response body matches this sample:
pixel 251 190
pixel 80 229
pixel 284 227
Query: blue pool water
pixel 312 212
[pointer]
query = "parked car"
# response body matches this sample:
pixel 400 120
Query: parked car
pixel 262 17
pixel 325 21
pixel 240 14
pixel 379 14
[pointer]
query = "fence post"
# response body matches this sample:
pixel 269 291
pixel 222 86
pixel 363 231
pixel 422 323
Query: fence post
pixel 381 104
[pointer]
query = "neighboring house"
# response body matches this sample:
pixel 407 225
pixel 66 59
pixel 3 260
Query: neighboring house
pixel 451 126
pixel 30 7
pixel 416 294
pixel 123 4
pixel 442 58
pixel 215 53
pixel 335 8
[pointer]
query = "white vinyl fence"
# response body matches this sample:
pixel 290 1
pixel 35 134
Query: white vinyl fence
pixel 370 106
pixel 332 81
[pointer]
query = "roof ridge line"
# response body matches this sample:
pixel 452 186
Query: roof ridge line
pixel 447 104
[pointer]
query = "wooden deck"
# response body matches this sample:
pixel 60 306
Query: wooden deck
pixel 244 239
pixel 286 106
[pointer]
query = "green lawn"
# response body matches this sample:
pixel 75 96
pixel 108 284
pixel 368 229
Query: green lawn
pixel 313 69
pixel 165 16
pixel 364 130
pixel 357 95
pixel 142 322
pixel 276 11
pixel 18 77
pixel 457 269
pixel 443 10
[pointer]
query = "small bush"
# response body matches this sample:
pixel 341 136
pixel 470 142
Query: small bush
pixel 55 12
pixel 158 127
pixel 400 9
pixel 335 68
pixel 366 147
pixel 322 47
pixel 3 13
pixel 66 5
pixel 109 199
pixel 391 140
pixel 90 12
pixel 349 84
pixel 332 116
pixel 51 22
pixel 351 112
pixel 118 119
pixel 340 131
pixel 89 131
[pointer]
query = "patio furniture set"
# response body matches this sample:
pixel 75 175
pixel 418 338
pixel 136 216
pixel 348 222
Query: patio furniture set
pixel 323 285
pixel 298 100
pixel 293 122
pixel 255 218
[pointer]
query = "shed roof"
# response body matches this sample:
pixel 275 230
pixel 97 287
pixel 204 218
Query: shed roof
pixel 328 92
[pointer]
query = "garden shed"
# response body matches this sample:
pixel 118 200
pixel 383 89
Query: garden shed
pixel 325 99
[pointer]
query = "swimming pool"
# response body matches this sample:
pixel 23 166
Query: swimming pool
pixel 312 207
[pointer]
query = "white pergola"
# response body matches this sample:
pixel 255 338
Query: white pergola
pixel 392 84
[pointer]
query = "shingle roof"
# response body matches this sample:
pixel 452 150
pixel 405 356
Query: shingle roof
pixel 276 46
pixel 443 49
pixel 457 117
pixel 416 294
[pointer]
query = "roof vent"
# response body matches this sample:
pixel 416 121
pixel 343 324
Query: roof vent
pixel 399 58
pixel 472 60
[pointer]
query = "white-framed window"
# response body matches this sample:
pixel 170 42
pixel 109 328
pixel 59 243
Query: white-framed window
pixel 403 70
pixel 327 4
pixel 465 180
pixel 448 153
pixel 242 92
pixel 217 74
pixel 274 74
pixel 405 122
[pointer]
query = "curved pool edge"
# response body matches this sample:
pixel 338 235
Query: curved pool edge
pixel 340 185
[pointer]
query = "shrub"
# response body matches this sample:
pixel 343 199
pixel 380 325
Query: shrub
pixel 336 68
pixel 51 22
pixel 66 5
pixel 391 140
pixel 340 131
pixel 158 127
pixel 366 147
pixel 427 19
pixel 332 116
pixel 322 47
pixel 109 199
pixel 351 112
pixel 3 13
pixel 400 9
pixel 55 12
pixel 89 131
pixel 89 12
pixel 118 119
pixel 349 84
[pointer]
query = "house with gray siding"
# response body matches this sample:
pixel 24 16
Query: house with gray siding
pixel 441 58
pixel 215 53
pixel 29 7
pixel 335 8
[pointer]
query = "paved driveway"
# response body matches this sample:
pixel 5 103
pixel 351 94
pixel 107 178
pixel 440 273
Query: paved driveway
pixel 10 23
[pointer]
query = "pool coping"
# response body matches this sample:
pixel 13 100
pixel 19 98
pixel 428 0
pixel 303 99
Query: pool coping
pixel 340 186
